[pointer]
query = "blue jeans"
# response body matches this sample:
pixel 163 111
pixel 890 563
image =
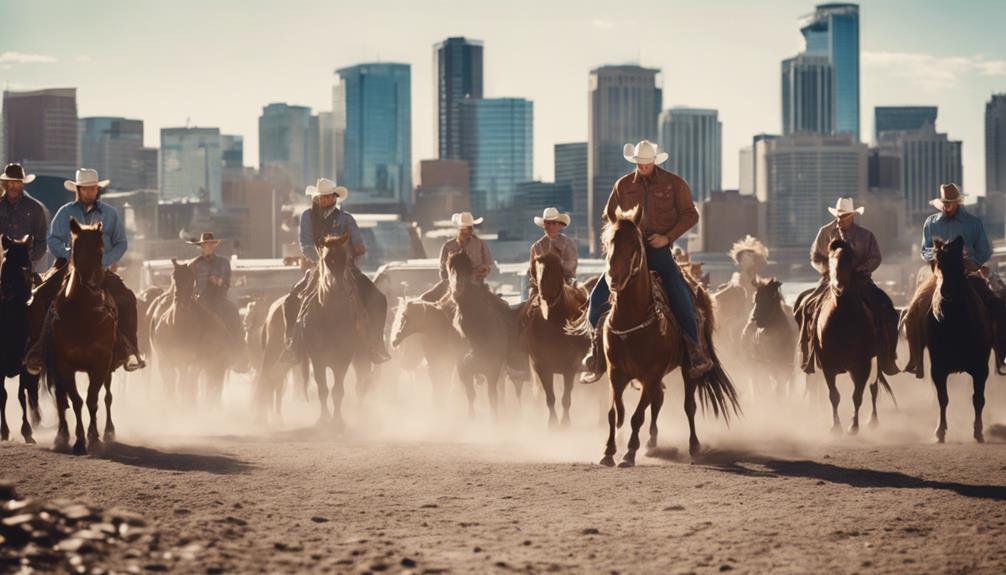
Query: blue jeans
pixel 678 294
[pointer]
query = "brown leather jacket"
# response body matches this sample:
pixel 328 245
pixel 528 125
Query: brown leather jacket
pixel 665 198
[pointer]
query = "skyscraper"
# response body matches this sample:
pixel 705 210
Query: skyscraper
pixel 114 147
pixel 457 63
pixel 191 164
pixel 497 142
pixel 833 31
pixel 901 118
pixel 378 137
pixel 40 130
pixel 571 168
pixel 920 161
pixel 232 152
pixel 623 105
pixel 288 144
pixel 807 95
pixel 692 138
pixel 995 144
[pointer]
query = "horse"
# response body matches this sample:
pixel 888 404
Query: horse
pixel 640 343
pixel 15 291
pixel 844 336
pixel 438 342
pixel 958 333
pixel 189 340
pixel 553 351
pixel 144 301
pixel 732 303
pixel 83 332
pixel 271 374
pixel 770 336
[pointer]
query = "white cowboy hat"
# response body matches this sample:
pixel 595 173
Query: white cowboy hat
pixel 465 220
pixel 205 238
pixel 845 206
pixel 644 152
pixel 15 173
pixel 85 177
pixel 551 215
pixel 326 187
pixel 950 194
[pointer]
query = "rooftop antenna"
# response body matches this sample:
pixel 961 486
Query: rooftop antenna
pixel 188 121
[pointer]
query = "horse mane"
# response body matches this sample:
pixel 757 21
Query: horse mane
pixel 947 268
pixel 622 221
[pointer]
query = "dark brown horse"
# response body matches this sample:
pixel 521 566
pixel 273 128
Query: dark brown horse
pixel 844 336
pixel 551 349
pixel 82 339
pixel 15 291
pixel 770 337
pixel 959 332
pixel 642 343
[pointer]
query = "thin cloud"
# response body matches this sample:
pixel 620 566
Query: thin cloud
pixel 83 58
pixel 933 72
pixel 602 24
pixel 22 58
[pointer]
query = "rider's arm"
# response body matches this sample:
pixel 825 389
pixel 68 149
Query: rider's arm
pixel 307 246
pixel 872 258
pixel 609 208
pixel 982 251
pixel 443 260
pixel 355 237
pixel 927 242
pixel 117 236
pixel 818 252
pixel 569 259
pixel 486 265
pixel 225 273
pixel 688 215
pixel 39 231
pixel 59 235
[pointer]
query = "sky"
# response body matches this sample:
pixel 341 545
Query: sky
pixel 217 63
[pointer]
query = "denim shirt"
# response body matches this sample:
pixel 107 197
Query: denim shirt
pixel 25 217
pixel 113 230
pixel 341 224
pixel 963 224
pixel 207 266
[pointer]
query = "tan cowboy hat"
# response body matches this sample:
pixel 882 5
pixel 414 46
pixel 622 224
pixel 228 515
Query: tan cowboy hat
pixel 205 238
pixel 326 187
pixel 15 172
pixel 950 194
pixel 85 177
pixel 748 244
pixel 845 206
pixel 551 215
pixel 644 152
pixel 465 220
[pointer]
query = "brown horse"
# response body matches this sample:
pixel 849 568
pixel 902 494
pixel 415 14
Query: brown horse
pixel 551 349
pixel 844 335
pixel 15 291
pixel 272 373
pixel 770 337
pixel 641 344
pixel 82 339
pixel 189 341
pixel 440 344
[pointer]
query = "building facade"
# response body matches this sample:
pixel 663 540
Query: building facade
pixel 498 143
pixel 833 31
pixel 191 165
pixel 807 95
pixel 289 144
pixel 40 130
pixel 458 68
pixel 902 118
pixel 571 168
pixel 114 147
pixel 693 140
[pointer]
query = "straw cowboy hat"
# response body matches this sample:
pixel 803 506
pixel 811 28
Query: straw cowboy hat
pixel 15 173
pixel 949 194
pixel 85 177
pixel 748 244
pixel 205 238
pixel 644 152
pixel 465 220
pixel 845 206
pixel 551 215
pixel 326 187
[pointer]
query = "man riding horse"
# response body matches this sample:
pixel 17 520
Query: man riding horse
pixel 468 242
pixel 667 213
pixel 866 259
pixel 553 223
pixel 213 280
pixel 88 209
pixel 20 214
pixel 951 222
pixel 326 218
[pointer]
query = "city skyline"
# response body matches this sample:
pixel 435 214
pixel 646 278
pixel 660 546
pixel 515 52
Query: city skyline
pixel 927 59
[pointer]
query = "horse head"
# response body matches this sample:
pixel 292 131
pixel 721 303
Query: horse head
pixel 183 281
pixel 15 271
pixel 624 250
pixel 409 319
pixel 840 271
pixel 547 272
pixel 767 300
pixel 460 272
pixel 87 248
pixel 950 270
pixel 334 263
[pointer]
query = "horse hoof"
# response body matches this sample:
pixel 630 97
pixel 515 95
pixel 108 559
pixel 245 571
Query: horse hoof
pixel 95 447
pixel 651 443
pixel 836 429
pixel 979 437
pixel 694 448
pixel 80 448
pixel 565 423
pixel 109 437
pixel 608 461
pixel 627 463
pixel 854 429
pixel 874 422
pixel 941 437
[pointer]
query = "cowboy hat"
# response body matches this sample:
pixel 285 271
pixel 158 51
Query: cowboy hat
pixel 950 194
pixel 644 152
pixel 845 206
pixel 205 238
pixel 15 172
pixel 326 187
pixel 551 215
pixel 85 177
pixel 748 244
pixel 465 220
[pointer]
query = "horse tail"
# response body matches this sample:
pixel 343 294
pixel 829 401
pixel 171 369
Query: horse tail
pixel 887 386
pixel 716 389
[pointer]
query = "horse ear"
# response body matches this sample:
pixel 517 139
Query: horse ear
pixel 5 241
pixel 74 226
pixel 619 214
pixel 938 244
pixel 834 244
pixel 174 262
pixel 636 215
pixel 957 243
pixel 100 226
pixel 25 239
pixel 341 240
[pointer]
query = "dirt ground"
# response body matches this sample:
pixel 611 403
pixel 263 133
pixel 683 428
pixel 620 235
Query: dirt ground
pixel 412 486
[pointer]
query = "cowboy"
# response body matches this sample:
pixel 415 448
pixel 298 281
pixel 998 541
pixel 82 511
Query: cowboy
pixel 667 213
pixel 750 256
pixel 325 218
pixel 88 209
pixel 468 242
pixel 952 221
pixel 553 223
pixel 20 214
pixel 866 259
pixel 213 279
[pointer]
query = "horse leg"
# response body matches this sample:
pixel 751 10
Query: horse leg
pixel 31 383
pixel 874 389
pixel 467 375
pixel 656 402
pixel 109 435
pixel 940 381
pixel 95 380
pixel 546 384
pixel 62 441
pixel 616 414
pixel 638 416
pixel 24 398
pixel 567 395
pixel 690 407
pixel 835 397
pixel 80 445
pixel 978 400
pixel 4 430
pixel 859 379
pixel 493 376
pixel 338 392
pixel 321 379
